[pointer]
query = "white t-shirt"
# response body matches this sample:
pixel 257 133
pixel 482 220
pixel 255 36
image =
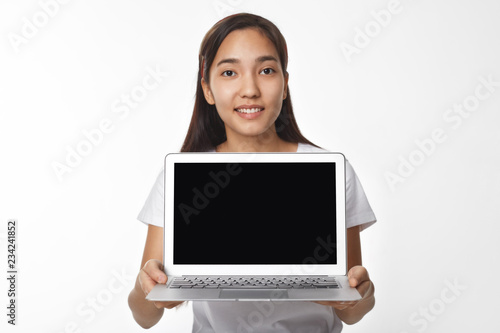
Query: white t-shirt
pixel 282 317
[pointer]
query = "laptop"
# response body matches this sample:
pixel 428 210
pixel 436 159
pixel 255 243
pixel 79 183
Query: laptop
pixel 255 226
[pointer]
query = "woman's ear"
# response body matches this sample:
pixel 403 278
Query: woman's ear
pixel 207 92
pixel 285 90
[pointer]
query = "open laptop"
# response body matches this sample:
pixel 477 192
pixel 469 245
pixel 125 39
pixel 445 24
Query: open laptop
pixel 255 226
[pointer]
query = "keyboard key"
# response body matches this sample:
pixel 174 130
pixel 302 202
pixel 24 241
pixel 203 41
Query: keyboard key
pixel 249 287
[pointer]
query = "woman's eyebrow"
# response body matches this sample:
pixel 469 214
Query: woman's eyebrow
pixel 236 61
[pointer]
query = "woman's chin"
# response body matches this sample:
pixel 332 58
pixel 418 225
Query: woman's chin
pixel 252 133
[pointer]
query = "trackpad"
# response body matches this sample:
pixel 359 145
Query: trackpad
pixel 253 294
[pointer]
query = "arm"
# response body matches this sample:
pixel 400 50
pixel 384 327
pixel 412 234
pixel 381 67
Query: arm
pixel 147 313
pixel 352 312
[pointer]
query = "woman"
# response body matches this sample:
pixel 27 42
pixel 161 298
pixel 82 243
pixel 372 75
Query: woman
pixel 243 104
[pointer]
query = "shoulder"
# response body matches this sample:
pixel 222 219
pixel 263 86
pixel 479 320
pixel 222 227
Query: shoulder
pixel 307 148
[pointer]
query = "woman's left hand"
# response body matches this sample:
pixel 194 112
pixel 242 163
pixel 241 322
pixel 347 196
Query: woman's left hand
pixel 351 312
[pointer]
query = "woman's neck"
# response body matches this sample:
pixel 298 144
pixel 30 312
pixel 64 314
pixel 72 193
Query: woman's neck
pixel 268 143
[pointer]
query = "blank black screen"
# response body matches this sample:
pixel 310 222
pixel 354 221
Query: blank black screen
pixel 254 213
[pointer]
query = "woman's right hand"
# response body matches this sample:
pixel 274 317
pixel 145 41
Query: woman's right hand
pixel 151 274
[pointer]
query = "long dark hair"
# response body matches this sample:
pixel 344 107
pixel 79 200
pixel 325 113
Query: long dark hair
pixel 206 130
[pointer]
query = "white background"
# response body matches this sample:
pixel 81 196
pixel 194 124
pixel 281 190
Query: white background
pixel 77 234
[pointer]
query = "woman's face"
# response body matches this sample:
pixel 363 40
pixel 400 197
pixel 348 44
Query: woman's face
pixel 247 84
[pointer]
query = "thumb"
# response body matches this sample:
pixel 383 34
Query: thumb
pixel 357 275
pixel 162 278
pixel 154 268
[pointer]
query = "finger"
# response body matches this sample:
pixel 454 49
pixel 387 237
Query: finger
pixel 339 305
pixel 154 269
pixel 146 282
pixel 365 289
pixel 150 275
pixel 357 275
pixel 168 305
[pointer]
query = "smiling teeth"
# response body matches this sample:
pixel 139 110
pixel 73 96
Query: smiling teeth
pixel 249 110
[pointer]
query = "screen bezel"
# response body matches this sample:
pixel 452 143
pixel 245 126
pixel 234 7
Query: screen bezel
pixel 297 269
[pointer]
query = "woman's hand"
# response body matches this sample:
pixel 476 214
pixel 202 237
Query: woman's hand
pixel 351 312
pixel 152 274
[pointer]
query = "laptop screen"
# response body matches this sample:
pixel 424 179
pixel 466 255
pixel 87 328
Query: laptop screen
pixel 254 213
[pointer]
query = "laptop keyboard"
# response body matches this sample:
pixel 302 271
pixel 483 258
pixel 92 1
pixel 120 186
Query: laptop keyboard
pixel 219 282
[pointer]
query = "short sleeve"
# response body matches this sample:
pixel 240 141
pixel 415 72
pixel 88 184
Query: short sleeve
pixel 152 211
pixel 358 209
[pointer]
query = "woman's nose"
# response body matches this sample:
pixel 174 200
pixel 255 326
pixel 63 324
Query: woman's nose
pixel 249 87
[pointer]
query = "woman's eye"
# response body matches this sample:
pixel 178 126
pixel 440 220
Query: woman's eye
pixel 228 73
pixel 267 71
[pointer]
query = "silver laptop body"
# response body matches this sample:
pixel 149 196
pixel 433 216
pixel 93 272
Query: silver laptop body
pixel 255 226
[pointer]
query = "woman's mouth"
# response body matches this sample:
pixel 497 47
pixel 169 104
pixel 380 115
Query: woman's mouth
pixel 252 110
pixel 249 113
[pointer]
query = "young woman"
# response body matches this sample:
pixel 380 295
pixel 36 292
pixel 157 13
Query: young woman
pixel 243 104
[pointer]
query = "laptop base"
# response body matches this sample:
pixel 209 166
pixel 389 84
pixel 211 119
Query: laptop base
pixel 161 292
